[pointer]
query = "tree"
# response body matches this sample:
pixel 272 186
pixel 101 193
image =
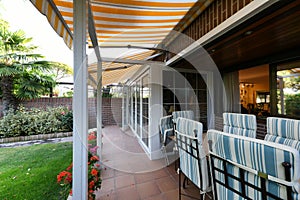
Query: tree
pixel 60 70
pixel 21 71
pixel 32 84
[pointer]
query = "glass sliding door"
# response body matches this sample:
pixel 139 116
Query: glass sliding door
pixel 185 91
pixel 145 93
pixel 130 106
pixel 288 89
pixel 133 107
pixel 139 94
pixel 138 108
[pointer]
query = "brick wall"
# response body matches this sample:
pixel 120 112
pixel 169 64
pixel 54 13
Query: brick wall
pixel 111 108
pixel 112 111
pixel 216 13
pixel 43 103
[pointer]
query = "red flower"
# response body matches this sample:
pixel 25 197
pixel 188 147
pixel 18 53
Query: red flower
pixel 92 136
pixel 94 172
pixel 94 158
pixel 59 178
pixel 91 184
pixel 70 167
pixel 64 178
pixel 64 175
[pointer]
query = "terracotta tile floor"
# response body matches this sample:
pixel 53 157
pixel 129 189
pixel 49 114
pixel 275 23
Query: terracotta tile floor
pixel 128 174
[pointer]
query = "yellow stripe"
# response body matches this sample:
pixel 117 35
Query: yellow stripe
pixel 120 26
pixel 149 4
pixel 135 20
pixel 63 3
pixel 147 40
pixel 121 11
pixel 70 14
pixel 49 13
pixel 128 32
pixel 133 3
pixel 131 27
pixel 39 5
pixel 131 32
pixel 56 23
pixel 126 37
pixel 66 14
pixel 62 31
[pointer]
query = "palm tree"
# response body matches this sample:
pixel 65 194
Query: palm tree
pixel 17 63
pixel 60 70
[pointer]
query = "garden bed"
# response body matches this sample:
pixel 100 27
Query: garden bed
pixel 35 137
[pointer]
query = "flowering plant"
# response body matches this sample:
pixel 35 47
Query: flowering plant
pixel 64 178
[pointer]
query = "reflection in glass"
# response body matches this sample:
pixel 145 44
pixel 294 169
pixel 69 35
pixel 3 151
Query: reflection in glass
pixel 189 92
pixel 288 89
pixel 145 106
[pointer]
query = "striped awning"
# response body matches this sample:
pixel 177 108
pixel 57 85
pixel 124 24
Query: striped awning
pixel 119 22
pixel 114 72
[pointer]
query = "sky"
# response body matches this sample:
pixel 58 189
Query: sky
pixel 21 14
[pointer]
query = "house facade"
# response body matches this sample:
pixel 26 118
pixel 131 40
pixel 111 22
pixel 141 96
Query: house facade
pixel 232 56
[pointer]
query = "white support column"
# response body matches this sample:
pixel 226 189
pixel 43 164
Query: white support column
pixel 80 127
pixel 99 109
pixel 93 36
pixel 155 111
pixel 210 101
pixel 125 106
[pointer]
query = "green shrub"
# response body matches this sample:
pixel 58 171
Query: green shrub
pixel 36 121
pixel 293 105
pixel 67 120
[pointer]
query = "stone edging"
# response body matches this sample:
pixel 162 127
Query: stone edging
pixel 35 137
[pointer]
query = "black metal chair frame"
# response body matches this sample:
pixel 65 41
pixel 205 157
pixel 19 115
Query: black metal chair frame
pixel 263 178
pixel 192 148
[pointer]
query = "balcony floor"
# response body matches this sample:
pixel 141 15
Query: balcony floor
pixel 129 174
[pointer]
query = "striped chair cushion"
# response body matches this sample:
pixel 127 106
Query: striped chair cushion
pixel 189 114
pixel 166 127
pixel 188 164
pixel 289 142
pixel 257 155
pixel 240 124
pixel 190 127
pixel 285 128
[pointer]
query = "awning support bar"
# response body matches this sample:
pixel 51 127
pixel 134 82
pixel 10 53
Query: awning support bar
pixel 134 47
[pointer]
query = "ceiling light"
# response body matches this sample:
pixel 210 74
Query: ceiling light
pixel 248 32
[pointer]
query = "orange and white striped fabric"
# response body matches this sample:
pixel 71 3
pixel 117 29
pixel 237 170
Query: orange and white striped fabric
pixel 122 23
pixel 119 22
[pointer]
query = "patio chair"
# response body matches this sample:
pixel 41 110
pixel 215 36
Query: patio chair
pixel 193 162
pixel 240 124
pixel 166 130
pixel 284 131
pixel 249 168
pixel 189 114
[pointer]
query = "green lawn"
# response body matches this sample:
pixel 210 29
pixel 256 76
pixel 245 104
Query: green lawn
pixel 30 172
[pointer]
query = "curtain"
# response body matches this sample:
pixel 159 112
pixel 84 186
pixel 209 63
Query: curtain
pixel 232 95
